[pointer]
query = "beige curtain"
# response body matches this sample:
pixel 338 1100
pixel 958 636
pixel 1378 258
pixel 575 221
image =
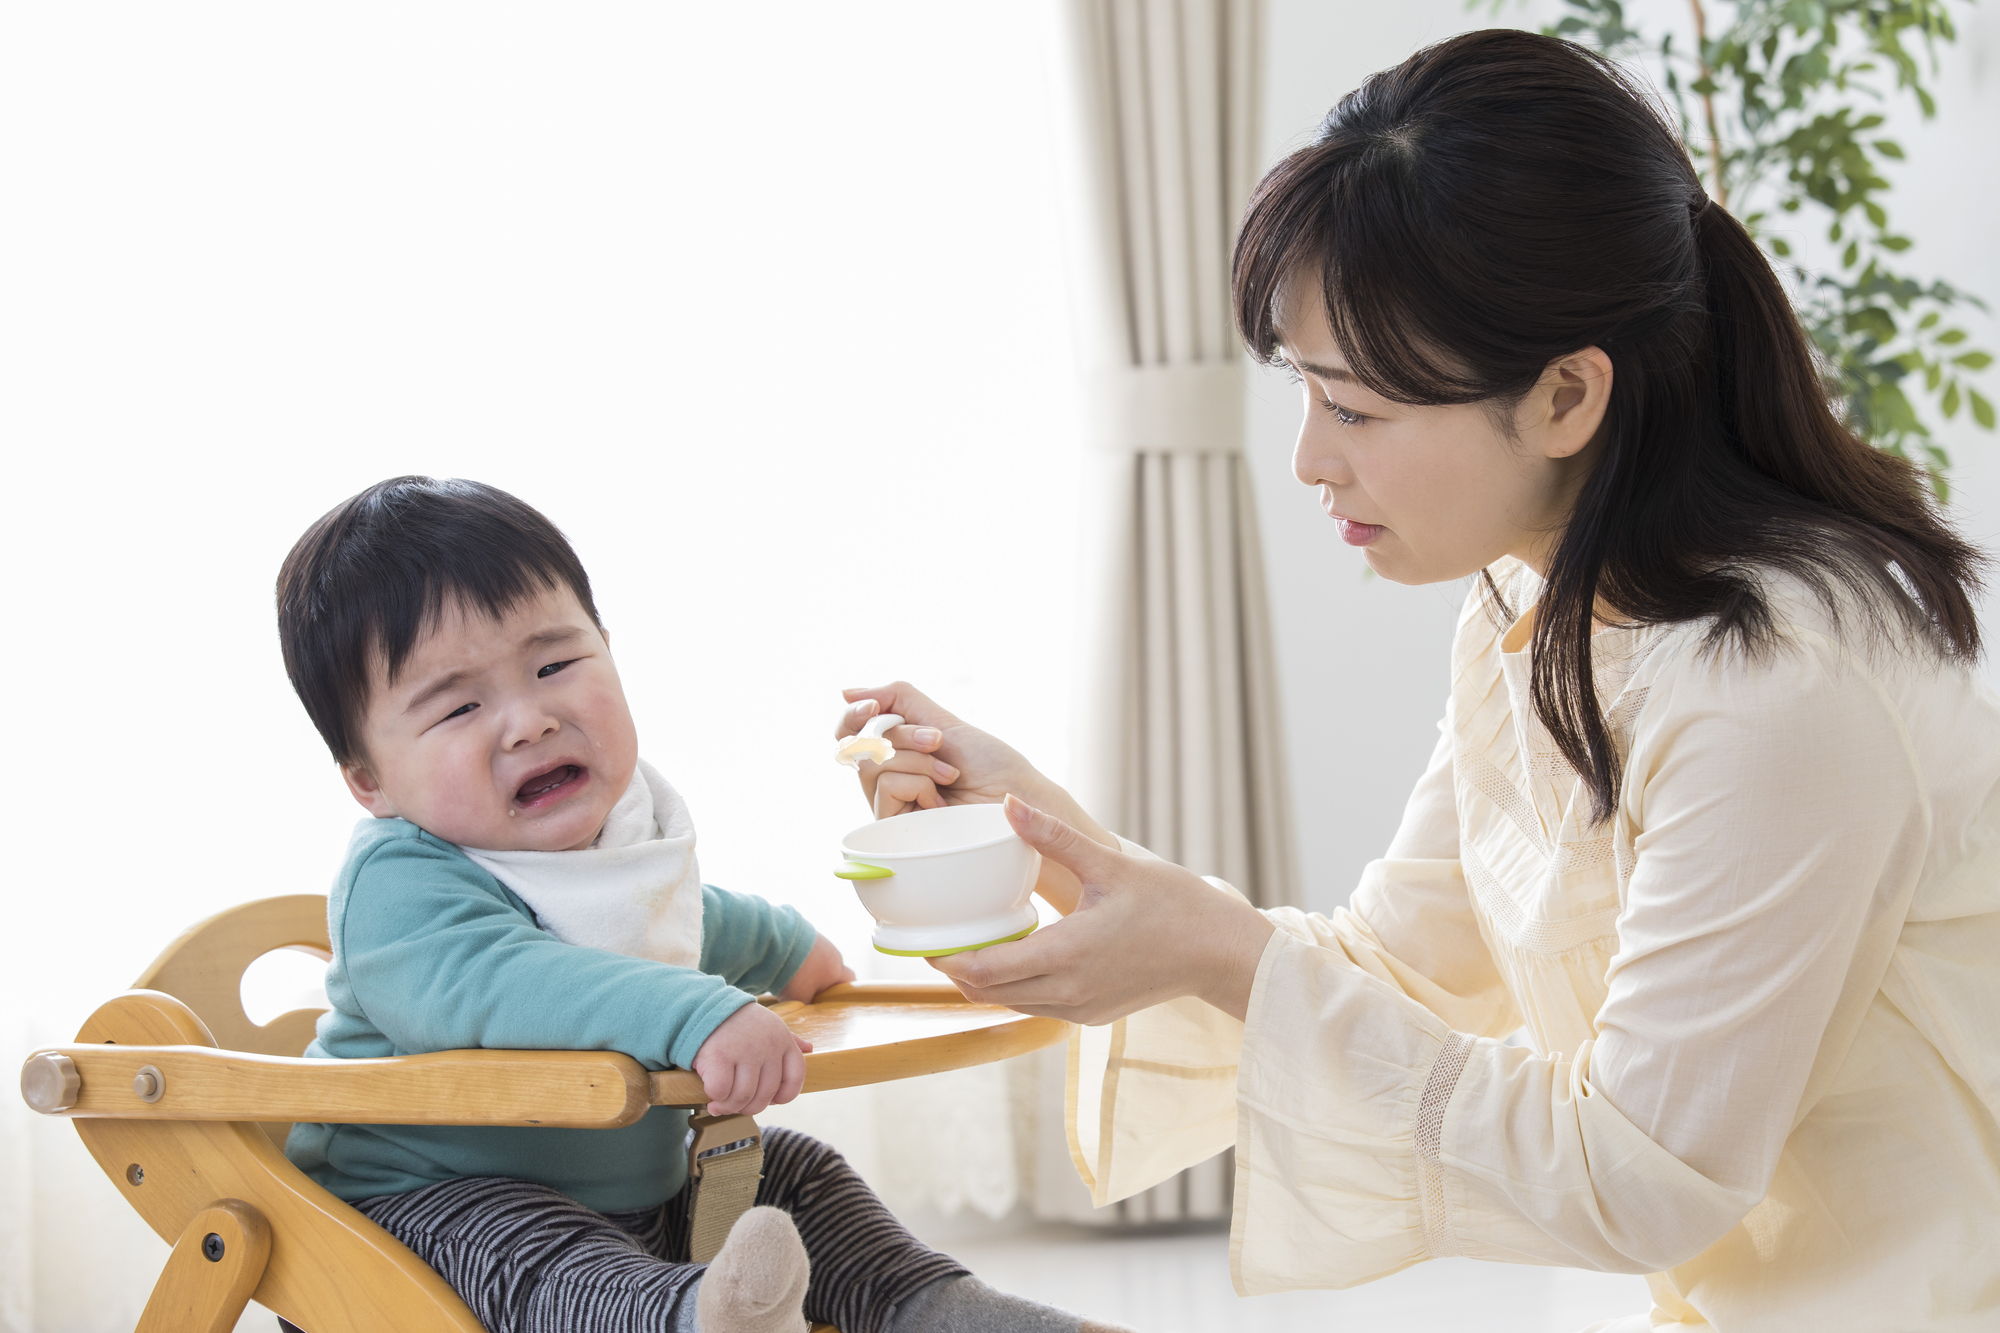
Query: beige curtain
pixel 1180 746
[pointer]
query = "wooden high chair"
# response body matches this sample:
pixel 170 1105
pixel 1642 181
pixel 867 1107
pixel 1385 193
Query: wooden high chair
pixel 185 1103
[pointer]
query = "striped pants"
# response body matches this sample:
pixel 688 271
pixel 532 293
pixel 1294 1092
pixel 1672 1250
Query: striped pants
pixel 529 1259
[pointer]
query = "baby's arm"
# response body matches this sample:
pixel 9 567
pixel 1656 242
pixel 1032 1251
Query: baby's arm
pixel 764 948
pixel 435 957
pixel 752 1060
pixel 823 967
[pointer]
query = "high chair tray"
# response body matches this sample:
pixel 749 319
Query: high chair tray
pixel 875 1031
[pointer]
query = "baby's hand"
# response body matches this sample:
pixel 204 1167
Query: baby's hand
pixel 822 968
pixel 752 1061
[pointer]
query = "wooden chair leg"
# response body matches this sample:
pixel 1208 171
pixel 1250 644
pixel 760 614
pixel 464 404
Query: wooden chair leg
pixel 216 1264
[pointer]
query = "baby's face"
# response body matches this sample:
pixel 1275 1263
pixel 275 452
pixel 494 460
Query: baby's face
pixel 509 735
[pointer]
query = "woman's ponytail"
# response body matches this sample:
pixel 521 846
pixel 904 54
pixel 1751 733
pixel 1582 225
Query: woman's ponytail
pixel 1776 409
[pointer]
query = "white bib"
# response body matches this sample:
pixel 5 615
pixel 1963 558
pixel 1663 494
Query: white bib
pixel 636 890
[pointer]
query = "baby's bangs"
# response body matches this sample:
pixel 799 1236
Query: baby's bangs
pixel 483 578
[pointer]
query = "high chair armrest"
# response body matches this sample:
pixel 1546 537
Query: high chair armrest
pixel 566 1089
pixel 870 1033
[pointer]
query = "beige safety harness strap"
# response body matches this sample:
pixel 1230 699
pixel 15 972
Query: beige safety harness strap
pixel 725 1162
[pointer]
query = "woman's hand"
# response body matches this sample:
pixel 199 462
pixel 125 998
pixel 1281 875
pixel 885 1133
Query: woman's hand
pixel 1144 932
pixel 941 760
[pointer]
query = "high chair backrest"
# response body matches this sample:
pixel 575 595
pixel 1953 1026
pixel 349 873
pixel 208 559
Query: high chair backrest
pixel 203 969
pixel 329 1269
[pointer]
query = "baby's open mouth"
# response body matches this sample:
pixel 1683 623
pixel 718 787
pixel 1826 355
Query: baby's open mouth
pixel 544 785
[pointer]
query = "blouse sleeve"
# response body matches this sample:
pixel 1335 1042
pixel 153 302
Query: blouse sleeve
pixel 1780 829
pixel 1170 1071
pixel 1410 922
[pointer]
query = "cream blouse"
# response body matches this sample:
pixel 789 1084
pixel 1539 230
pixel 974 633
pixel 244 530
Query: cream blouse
pixel 1761 1004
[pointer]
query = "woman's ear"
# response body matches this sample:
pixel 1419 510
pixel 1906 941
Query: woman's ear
pixel 362 785
pixel 1573 395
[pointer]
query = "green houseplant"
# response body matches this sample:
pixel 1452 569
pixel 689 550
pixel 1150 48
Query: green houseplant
pixel 1780 106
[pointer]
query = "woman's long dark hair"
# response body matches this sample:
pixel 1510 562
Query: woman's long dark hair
pixel 1501 200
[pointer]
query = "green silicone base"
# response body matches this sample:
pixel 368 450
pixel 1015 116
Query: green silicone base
pixel 957 948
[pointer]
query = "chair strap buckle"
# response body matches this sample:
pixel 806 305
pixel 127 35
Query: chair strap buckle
pixel 725 1162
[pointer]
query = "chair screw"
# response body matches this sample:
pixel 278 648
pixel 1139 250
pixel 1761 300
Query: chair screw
pixel 211 1248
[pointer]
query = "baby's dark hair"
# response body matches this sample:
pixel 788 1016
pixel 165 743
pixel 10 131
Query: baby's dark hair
pixel 377 572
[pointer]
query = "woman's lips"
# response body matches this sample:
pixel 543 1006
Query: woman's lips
pixel 1358 534
pixel 550 786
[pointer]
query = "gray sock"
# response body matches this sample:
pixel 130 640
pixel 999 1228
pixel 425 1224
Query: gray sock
pixel 967 1305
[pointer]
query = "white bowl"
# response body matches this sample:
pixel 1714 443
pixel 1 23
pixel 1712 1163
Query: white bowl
pixel 943 881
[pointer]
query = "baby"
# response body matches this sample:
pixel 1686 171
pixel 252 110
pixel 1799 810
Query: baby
pixel 526 881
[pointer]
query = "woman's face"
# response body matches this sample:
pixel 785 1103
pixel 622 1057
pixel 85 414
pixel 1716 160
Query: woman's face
pixel 1437 493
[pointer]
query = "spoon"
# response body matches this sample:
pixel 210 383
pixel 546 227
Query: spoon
pixel 869 743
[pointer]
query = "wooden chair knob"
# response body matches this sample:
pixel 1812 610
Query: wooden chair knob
pixel 49 1082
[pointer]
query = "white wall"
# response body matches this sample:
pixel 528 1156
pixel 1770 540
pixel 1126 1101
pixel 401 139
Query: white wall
pixel 1362 661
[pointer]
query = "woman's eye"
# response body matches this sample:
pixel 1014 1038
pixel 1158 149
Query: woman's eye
pixel 552 668
pixel 1341 414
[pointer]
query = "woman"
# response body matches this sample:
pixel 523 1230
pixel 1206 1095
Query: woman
pixel 1715 813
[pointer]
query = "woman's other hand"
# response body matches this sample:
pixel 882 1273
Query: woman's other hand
pixel 942 760
pixel 1144 932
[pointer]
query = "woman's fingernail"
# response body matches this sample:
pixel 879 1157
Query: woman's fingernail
pixel 1019 812
pixel 927 735
pixel 945 772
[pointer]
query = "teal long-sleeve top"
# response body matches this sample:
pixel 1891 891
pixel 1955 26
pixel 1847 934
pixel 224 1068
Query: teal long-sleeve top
pixel 432 953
